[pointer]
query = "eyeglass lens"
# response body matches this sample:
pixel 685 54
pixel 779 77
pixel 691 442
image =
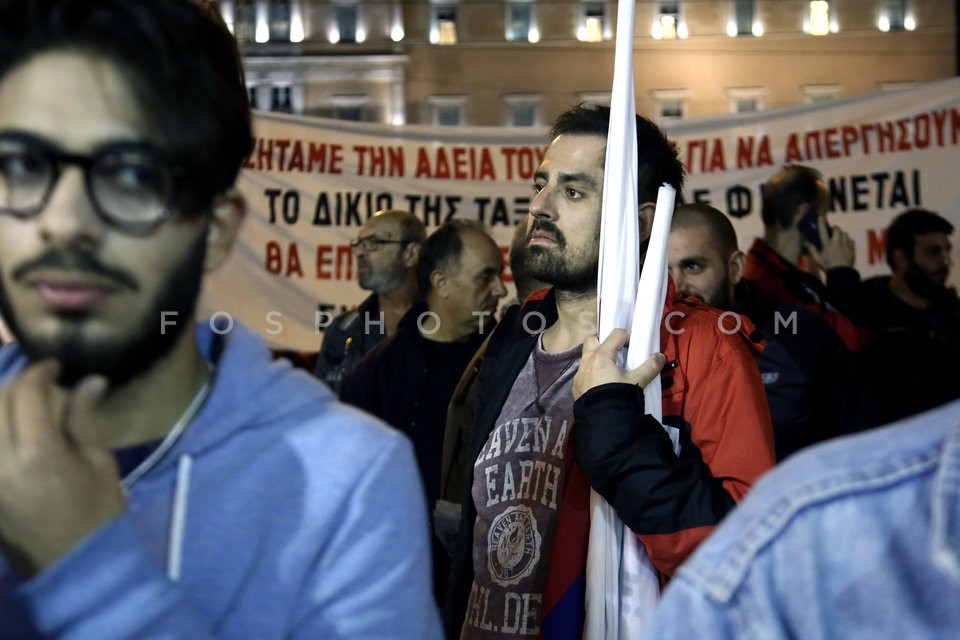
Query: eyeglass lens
pixel 128 185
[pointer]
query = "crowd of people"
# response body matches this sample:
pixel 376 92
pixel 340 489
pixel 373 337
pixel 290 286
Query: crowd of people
pixel 432 479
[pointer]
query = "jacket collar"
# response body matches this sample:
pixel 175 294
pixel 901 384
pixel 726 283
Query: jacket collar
pixel 408 321
pixel 762 250
pixel 370 305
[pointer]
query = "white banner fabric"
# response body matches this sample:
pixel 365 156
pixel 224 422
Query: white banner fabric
pixel 310 184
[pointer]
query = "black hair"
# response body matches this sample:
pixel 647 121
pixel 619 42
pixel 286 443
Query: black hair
pixel 443 248
pixel 658 160
pixel 903 231
pixel 792 186
pixel 181 62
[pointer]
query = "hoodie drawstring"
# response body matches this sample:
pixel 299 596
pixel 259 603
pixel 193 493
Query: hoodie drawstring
pixel 178 517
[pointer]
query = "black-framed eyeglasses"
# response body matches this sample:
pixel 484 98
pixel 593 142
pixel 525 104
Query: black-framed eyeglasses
pixel 373 243
pixel 130 184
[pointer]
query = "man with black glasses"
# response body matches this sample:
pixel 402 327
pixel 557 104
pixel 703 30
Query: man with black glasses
pixel 161 478
pixel 387 250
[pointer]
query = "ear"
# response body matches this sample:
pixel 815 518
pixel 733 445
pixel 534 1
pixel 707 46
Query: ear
pixel 411 254
pixel 229 209
pixel 645 213
pixel 438 283
pixel 736 265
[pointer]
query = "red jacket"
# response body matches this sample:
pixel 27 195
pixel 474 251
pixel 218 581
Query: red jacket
pixel 785 282
pixel 711 391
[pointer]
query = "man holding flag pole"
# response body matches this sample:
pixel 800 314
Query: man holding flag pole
pixel 521 562
pixel 558 418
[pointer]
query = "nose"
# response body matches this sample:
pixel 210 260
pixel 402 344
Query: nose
pixel 542 204
pixel 678 282
pixel 69 217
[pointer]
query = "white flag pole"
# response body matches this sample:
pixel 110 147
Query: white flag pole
pixel 616 298
pixel 622 584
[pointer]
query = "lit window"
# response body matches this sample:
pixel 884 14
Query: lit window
pixel 447 110
pixel 346 23
pixel 519 21
pixel 396 30
pixel 594 22
pixel 443 29
pixel 245 20
pixel 819 21
pixel 742 20
pixel 279 16
pixel 896 16
pixel 522 109
pixel 296 23
pixel 667 23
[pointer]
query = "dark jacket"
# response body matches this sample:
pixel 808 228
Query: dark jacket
pixel 711 392
pixel 813 384
pixel 391 382
pixel 912 362
pixel 347 340
pixel 407 380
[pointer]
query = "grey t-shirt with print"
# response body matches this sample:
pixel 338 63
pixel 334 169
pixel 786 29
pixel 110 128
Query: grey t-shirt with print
pixel 517 488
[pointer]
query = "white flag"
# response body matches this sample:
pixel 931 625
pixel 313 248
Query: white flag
pixel 622 584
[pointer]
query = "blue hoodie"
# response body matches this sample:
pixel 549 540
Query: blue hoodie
pixel 301 518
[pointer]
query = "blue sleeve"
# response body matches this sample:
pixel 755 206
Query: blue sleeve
pixel 373 580
pixel 369 577
pixel 685 612
pixel 122 590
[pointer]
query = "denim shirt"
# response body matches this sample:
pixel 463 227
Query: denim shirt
pixel 855 538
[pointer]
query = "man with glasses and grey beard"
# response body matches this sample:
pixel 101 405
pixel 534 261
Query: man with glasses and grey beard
pixel 387 250
pixel 163 478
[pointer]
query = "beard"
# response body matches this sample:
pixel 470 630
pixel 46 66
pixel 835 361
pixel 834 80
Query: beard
pixel 551 265
pixel 925 284
pixel 719 299
pixel 383 281
pixel 119 359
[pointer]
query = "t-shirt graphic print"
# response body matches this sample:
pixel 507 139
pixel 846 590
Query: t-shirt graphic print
pixel 517 488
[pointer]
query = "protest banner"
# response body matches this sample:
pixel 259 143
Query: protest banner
pixel 310 184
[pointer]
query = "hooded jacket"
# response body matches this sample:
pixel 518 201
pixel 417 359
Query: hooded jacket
pixel 300 518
